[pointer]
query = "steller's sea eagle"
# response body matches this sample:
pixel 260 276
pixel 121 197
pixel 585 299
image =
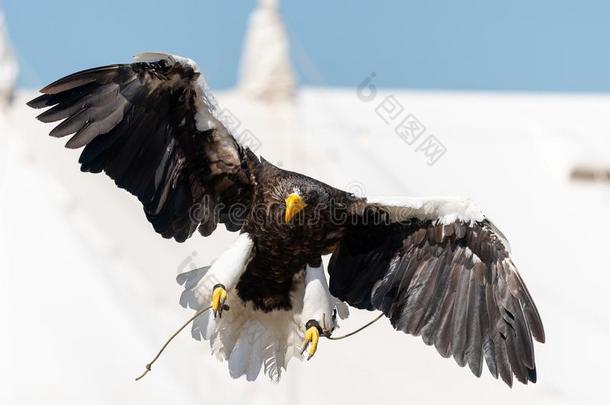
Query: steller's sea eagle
pixel 437 268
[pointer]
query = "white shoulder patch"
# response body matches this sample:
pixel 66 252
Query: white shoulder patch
pixel 158 56
pixel 148 57
pixel 444 210
pixel 208 111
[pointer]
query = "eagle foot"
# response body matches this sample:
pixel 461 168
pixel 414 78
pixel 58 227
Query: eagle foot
pixel 219 296
pixel 312 336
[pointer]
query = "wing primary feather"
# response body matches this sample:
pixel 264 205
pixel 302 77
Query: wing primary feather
pixel 424 302
pixel 474 351
pixel 434 308
pixel 504 368
pixel 460 318
pixel 71 125
pixel 517 367
pixel 92 129
pixel 442 341
pixel 101 74
pixel 414 310
pixel 529 309
pixel 524 337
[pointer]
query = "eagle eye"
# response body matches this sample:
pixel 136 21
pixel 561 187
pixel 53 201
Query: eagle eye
pixel 311 197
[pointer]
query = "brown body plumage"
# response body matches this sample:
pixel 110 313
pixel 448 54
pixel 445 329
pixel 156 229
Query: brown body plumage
pixel 285 249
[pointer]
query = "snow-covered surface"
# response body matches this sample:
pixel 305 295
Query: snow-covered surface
pixel 88 289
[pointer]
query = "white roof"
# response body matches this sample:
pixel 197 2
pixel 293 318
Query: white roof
pixel 105 279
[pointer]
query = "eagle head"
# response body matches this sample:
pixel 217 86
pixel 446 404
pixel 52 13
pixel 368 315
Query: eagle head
pixel 306 198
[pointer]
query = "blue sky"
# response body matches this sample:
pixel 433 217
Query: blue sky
pixel 463 45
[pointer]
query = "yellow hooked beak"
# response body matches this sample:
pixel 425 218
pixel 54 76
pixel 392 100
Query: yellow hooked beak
pixel 294 204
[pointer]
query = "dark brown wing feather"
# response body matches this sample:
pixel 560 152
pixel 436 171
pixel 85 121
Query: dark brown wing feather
pixel 138 124
pixel 454 284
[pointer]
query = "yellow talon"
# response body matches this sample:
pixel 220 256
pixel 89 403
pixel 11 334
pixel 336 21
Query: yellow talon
pixel 219 296
pixel 312 336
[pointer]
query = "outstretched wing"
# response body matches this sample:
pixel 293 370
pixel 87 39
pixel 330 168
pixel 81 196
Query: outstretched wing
pixel 440 269
pixel 154 128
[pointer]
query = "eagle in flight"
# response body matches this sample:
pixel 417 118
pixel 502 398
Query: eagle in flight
pixel 437 268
